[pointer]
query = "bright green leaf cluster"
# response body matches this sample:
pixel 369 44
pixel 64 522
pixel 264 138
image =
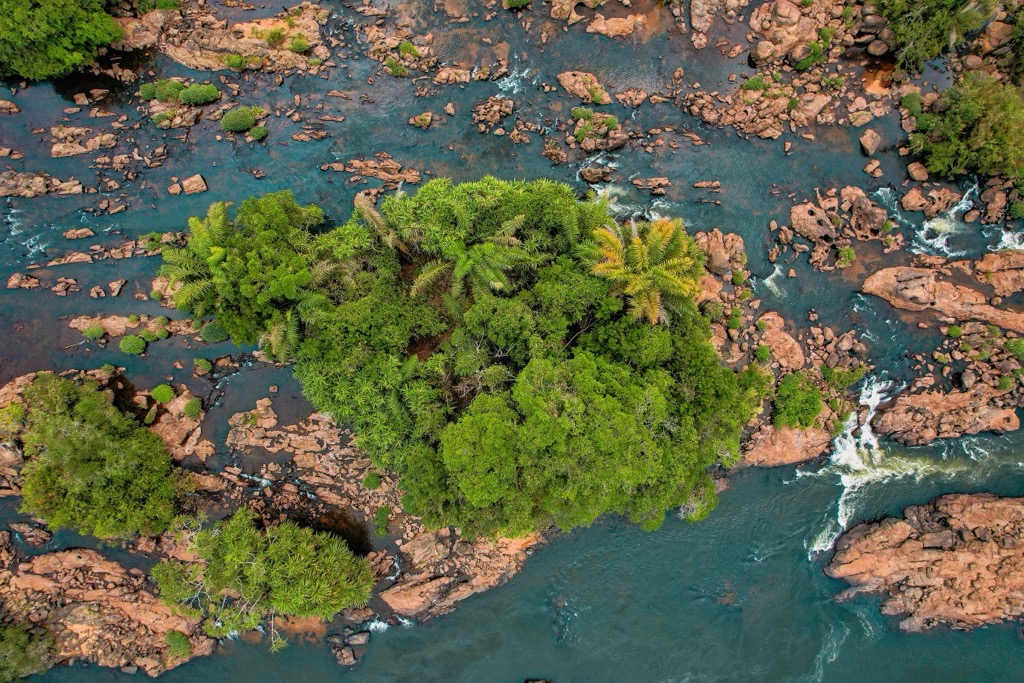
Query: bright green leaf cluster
pixel 91 467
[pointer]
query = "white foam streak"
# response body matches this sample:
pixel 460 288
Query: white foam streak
pixel 933 236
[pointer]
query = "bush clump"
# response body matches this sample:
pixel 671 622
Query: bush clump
pixel 162 393
pixel 797 401
pixel 954 331
pixel 978 128
pixel 380 520
pixel 91 467
pixel 201 366
pixel 234 61
pixel 213 333
pixel 298 45
pixel 372 481
pixel 24 651
pixel 259 133
pixel 178 645
pixel 197 94
pixel 240 119
pixel 132 344
pixel 395 67
pixel 302 573
pixel 925 29
pixel 94 332
pixel 193 408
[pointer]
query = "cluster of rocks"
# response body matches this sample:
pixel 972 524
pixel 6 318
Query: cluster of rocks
pixel 491 112
pixel 97 610
pixel 28 185
pixel 955 561
pixel 194 37
pixel 832 223
pixel 383 167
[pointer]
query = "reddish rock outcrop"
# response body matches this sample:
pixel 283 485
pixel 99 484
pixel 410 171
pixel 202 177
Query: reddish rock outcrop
pixel 584 86
pixel 97 610
pixel 920 289
pixel 1004 270
pixel 771 447
pixel 955 561
pixel 921 418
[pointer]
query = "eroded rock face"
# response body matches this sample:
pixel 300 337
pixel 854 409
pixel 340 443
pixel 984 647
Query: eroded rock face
pixel 584 86
pixel 97 610
pixel 725 252
pixel 771 447
pixel 917 419
pixel 1004 270
pixel 955 561
pixel 920 289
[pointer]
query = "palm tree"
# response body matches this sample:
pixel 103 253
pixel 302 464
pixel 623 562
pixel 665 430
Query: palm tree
pixel 482 265
pixel 282 338
pixel 192 266
pixel 655 265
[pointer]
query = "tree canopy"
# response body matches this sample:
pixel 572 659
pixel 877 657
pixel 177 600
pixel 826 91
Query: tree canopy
pixel 49 38
pixel 89 466
pixel 248 574
pixel 925 29
pixel 977 127
pixel 514 370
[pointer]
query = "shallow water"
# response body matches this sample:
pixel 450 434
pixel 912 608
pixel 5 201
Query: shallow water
pixel 740 596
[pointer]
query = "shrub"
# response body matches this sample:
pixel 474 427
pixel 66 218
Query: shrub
pixel 132 345
pixel 1005 383
pixel 371 481
pixel 274 37
pixel 738 278
pixel 797 401
pixel 517 4
pixel 395 67
pixel 298 45
pixel 240 119
pixel 91 467
pixel 147 91
pixel 380 520
pixel 197 94
pixel 178 645
pixel 201 366
pixel 168 4
pixel 213 333
pixel 756 83
pixel 1016 210
pixel 762 353
pixel 133 319
pixel 841 379
pixel 611 122
pixel 94 332
pixel 301 573
pixel 735 318
pixel 912 103
pixel 407 48
pixel 259 133
pixel 24 651
pixel 41 40
pixel 713 310
pixel 193 408
pixel 979 127
pixel 234 61
pixel 816 56
pixel 1016 347
pixel 845 257
pixel 148 336
pixel 581 113
pixel 954 331
pixel 162 393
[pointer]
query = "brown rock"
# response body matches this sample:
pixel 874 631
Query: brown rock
pixel 917 171
pixel 771 447
pixel 870 141
pixel 954 561
pixel 194 184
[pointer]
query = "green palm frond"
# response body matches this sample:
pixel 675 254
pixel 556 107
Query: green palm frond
pixel 429 274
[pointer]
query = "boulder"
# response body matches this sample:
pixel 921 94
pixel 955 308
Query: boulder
pixel 870 141
pixel 194 184
pixel 955 561
pixel 917 171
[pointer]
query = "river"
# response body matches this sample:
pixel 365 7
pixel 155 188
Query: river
pixel 739 596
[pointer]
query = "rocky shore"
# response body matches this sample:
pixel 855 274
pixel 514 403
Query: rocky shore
pixel 955 561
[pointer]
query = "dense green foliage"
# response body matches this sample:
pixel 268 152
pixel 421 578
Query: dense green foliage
pixel 254 271
pixel 259 133
pixel 240 119
pixel 178 645
pixel 23 652
pixel 977 126
pixel 132 344
pixel 162 393
pixel 496 343
pixel 193 408
pixel 797 401
pixel 50 38
pixel 199 94
pixel 91 467
pixel 925 29
pixel 248 574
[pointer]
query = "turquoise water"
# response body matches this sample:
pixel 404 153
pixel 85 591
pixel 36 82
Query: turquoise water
pixel 740 596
